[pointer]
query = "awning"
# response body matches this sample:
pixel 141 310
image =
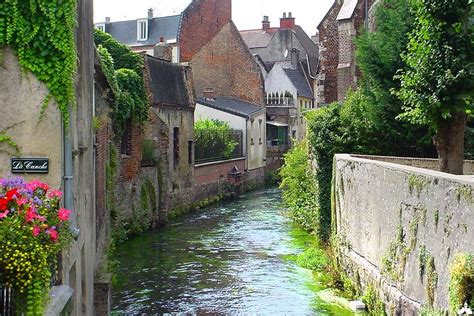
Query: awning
pixel 277 124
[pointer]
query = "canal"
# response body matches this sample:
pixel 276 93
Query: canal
pixel 231 258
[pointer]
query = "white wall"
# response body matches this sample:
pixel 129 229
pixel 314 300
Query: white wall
pixel 256 127
pixel 277 81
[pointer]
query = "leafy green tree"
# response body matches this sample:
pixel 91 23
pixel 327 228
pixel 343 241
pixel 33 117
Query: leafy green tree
pixel 437 85
pixel 378 54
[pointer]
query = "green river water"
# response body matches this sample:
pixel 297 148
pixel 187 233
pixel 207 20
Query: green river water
pixel 233 258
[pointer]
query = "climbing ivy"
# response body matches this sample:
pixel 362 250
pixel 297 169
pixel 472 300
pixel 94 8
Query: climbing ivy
pixel 124 71
pixel 41 32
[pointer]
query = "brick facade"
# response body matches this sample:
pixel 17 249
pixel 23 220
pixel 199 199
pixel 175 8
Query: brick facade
pixel 338 70
pixel 328 56
pixel 226 65
pixel 201 21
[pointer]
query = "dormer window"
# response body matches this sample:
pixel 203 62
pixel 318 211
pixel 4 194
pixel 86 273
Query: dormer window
pixel 142 30
pixel 100 27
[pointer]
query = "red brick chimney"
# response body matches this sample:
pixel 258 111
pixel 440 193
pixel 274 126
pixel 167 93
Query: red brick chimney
pixel 209 94
pixel 287 22
pixel 265 23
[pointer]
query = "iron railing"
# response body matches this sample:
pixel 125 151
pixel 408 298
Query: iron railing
pixel 7 306
pixel 217 145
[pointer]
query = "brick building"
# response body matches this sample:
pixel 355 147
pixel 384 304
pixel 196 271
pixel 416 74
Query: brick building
pixel 337 71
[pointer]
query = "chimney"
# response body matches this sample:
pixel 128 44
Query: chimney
pixel 265 23
pixel 287 22
pixel 163 51
pixel 209 94
pixel 150 13
pixel 295 58
pixel 107 19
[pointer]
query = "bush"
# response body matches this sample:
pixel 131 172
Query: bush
pixel 300 190
pixel 461 284
pixel 214 140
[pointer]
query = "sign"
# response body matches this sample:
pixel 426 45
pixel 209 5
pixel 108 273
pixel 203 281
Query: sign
pixel 30 165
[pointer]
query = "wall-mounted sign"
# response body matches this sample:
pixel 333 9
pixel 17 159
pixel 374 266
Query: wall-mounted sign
pixel 30 165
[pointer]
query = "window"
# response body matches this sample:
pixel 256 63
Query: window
pixel 176 146
pixel 100 27
pixel 142 30
pixel 190 152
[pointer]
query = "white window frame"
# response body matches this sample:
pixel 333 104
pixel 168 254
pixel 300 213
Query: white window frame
pixel 142 36
pixel 100 26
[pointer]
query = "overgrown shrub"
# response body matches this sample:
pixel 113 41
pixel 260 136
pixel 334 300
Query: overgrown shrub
pixel 214 140
pixel 461 284
pixel 300 190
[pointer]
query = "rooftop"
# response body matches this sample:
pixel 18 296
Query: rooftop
pixel 231 105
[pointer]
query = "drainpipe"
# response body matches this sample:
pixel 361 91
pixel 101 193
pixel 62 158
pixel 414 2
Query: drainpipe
pixel 68 175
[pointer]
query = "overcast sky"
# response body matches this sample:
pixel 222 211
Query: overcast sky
pixel 246 14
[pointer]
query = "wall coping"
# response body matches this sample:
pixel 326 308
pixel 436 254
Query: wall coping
pixel 59 297
pixel 465 179
pixel 217 162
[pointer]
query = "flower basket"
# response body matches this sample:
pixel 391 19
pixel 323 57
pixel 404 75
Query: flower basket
pixel 33 230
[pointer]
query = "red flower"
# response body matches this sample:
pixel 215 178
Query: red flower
pixel 3 204
pixel 30 215
pixel 53 235
pixel 13 193
pixel 63 214
pixel 36 231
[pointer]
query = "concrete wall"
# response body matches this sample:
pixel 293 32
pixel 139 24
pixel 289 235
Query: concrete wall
pixel 386 214
pixel 20 107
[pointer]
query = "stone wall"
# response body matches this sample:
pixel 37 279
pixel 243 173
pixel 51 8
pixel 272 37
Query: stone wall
pixel 226 65
pixel 426 163
pixel 201 21
pixel 389 218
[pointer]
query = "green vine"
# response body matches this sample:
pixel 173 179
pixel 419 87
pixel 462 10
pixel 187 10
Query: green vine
pixel 41 32
pixel 124 71
pixel 7 140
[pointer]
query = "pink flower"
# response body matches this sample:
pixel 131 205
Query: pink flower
pixel 53 235
pixel 30 214
pixel 33 185
pixel 21 201
pixel 36 231
pixel 55 193
pixel 63 214
pixel 4 214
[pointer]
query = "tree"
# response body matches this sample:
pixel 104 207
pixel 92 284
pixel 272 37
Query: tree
pixel 437 85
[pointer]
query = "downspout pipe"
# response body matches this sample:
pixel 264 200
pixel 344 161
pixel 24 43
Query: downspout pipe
pixel 68 175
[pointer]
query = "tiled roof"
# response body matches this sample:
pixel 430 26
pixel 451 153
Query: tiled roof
pixel 258 38
pixel 126 31
pixel 310 47
pixel 231 105
pixel 167 82
pixel 299 81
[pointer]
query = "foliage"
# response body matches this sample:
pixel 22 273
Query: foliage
pixel 7 140
pixel 461 284
pixel 426 265
pixel 215 137
pixel 41 32
pixel 124 71
pixel 372 299
pixel 438 81
pixel 33 229
pixel 327 136
pixel 121 54
pixel 313 258
pixel 300 189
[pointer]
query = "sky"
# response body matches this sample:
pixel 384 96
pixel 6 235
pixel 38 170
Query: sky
pixel 246 14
